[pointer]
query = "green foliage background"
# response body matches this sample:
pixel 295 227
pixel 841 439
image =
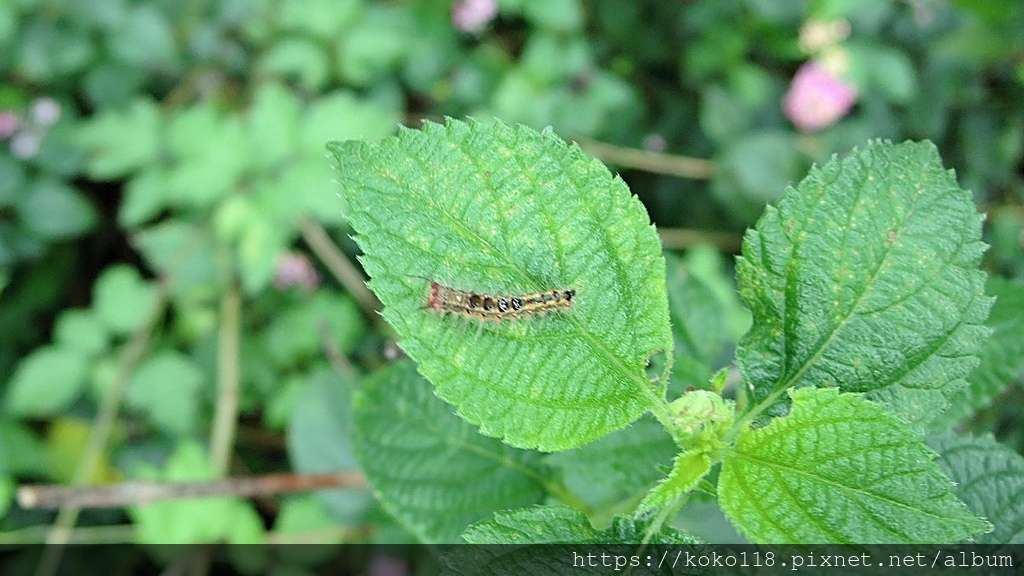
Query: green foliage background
pixel 148 328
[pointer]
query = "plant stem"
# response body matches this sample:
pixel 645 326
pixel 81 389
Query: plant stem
pixel 679 238
pixel 343 270
pixel 222 435
pixel 657 162
pixel 140 492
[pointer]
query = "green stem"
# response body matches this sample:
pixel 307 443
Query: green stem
pixel 222 435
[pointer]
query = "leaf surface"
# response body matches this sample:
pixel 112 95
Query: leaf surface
pixel 840 469
pixel 47 381
pixel 865 277
pixel 617 467
pixel 990 479
pixel 560 524
pixel 430 470
pixel 1002 357
pixel 495 209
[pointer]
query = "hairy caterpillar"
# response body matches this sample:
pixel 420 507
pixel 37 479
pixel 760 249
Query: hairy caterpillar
pixel 497 307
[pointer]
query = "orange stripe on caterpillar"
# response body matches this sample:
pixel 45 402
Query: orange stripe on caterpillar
pixel 497 307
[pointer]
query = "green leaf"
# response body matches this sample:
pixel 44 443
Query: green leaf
pixel 145 195
pixel 167 387
pixel 753 170
pixel 301 517
pixel 53 211
pixel 12 180
pixel 80 330
pixel 302 513
pixel 145 38
pixel 517 97
pixel 559 524
pixel 617 468
pixel 59 151
pixel 273 124
pixel 887 70
pixel 122 141
pixel 562 531
pixel 865 277
pixel 375 44
pixel 989 478
pixel 184 252
pixel 324 19
pixel 505 210
pixel 21 452
pixel 47 381
pixel 195 520
pixel 209 147
pixel 52 51
pixel 687 470
pixel 1002 357
pixel 342 116
pixel 111 85
pixel 723 117
pixel 551 58
pixel 303 187
pixel 296 335
pixel 839 469
pixel 708 264
pixel 122 300
pixel 430 470
pixel 557 15
pixel 298 58
pixel 697 323
pixel 7 488
pixel 319 440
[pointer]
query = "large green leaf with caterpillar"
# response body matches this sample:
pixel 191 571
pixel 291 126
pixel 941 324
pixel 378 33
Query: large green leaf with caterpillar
pixel 496 209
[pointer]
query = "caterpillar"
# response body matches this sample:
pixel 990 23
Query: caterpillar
pixel 497 307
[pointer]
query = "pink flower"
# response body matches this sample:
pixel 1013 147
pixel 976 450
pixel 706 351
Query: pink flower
pixel 473 15
pixel 295 269
pixel 816 98
pixel 9 123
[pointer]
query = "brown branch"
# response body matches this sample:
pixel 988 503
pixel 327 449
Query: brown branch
pixel 685 238
pixel 659 163
pixel 139 492
pixel 335 356
pixel 340 266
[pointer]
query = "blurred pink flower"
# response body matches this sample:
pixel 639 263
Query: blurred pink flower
pixel 295 269
pixel 9 123
pixel 816 98
pixel 473 15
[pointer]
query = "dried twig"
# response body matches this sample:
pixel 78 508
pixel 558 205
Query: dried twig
pixel 138 492
pixel 657 162
pixel 685 238
pixel 344 270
